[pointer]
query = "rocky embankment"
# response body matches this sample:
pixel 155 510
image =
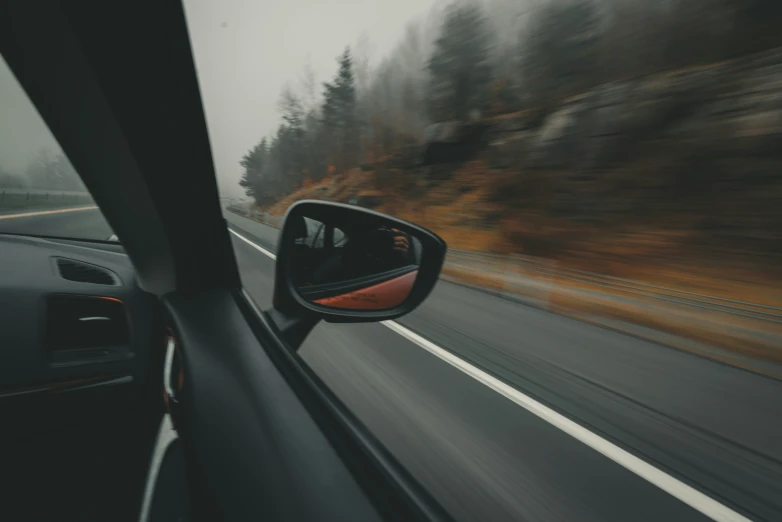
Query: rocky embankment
pixel 693 153
pixel 677 168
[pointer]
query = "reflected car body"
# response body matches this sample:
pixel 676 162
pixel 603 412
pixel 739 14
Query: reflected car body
pixel 387 294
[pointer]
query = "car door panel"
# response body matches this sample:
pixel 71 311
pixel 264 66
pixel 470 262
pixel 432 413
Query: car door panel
pixel 78 420
pixel 44 367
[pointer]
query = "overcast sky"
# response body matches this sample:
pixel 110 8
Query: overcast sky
pixel 247 50
pixel 22 131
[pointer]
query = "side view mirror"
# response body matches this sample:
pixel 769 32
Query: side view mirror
pixel 342 263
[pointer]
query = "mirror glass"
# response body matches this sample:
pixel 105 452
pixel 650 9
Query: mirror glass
pixel 354 265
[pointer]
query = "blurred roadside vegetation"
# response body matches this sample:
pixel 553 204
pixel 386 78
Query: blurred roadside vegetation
pixel 638 139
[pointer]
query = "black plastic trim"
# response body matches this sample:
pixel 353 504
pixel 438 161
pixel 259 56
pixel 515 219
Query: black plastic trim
pixel 66 386
pixel 62 264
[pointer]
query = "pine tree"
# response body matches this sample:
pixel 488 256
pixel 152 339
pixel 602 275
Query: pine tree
pixel 296 137
pixel 339 115
pixel 459 65
pixel 560 50
pixel 252 177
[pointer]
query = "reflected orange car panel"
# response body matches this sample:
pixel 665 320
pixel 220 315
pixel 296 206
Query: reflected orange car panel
pixel 387 294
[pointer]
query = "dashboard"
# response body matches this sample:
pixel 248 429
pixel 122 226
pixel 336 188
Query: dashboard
pixel 72 317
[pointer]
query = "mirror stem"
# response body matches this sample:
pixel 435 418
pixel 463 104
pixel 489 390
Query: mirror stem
pixel 293 329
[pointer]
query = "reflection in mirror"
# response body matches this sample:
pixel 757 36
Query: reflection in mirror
pixel 353 265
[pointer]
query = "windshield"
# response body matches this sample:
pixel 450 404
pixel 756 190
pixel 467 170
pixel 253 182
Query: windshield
pixel 41 193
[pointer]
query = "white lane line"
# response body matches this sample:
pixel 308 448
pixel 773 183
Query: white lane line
pixel 687 494
pixel 45 212
pixel 673 486
pixel 257 247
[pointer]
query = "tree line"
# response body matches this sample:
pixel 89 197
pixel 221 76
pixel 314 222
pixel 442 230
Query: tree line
pixel 46 170
pixel 476 59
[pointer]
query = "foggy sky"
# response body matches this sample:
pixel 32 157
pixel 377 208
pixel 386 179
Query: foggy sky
pixel 22 130
pixel 246 51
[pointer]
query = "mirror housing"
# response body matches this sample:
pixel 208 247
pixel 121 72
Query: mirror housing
pixel 394 290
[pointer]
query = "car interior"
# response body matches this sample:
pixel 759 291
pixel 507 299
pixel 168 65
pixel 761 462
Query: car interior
pixel 106 345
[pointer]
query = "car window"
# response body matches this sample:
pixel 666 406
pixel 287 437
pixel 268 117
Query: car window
pixel 315 233
pixel 339 238
pixel 607 176
pixel 41 193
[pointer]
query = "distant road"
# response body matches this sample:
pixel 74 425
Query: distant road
pixel 87 224
pixel 42 192
pixel 700 424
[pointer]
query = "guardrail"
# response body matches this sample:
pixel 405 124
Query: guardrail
pixel 511 266
pixel 12 198
pixel 261 217
pixel 34 192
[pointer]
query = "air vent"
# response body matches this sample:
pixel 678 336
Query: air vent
pixel 85 273
pixel 80 322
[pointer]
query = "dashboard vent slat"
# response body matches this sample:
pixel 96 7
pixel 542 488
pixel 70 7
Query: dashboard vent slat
pixel 82 272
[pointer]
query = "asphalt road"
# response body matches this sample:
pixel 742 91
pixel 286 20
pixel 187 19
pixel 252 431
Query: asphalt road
pixel 83 224
pixel 705 424
pixel 712 426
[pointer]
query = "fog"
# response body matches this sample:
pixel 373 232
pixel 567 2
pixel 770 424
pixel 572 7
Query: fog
pixel 247 51
pixel 22 131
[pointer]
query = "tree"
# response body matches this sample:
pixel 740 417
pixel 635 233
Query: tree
pixel 52 171
pixel 308 86
pixel 252 178
pixel 10 180
pixel 560 49
pixel 339 115
pixel 294 115
pixel 459 66
pixel 393 106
